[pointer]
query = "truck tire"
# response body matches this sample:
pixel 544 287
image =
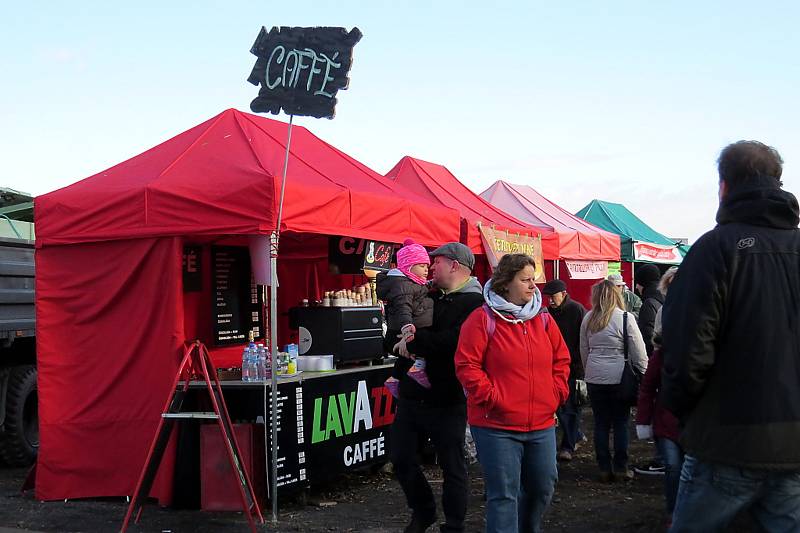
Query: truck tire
pixel 19 442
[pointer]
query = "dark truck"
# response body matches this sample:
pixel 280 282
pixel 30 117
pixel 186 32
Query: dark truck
pixel 19 420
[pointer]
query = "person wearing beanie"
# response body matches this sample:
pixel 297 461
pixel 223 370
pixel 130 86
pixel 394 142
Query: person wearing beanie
pixel 568 315
pixel 647 277
pixel 404 291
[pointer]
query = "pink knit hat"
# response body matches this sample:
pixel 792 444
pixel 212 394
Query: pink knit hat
pixel 411 254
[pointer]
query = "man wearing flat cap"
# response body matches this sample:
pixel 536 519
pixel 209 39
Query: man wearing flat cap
pixel 438 412
pixel 568 314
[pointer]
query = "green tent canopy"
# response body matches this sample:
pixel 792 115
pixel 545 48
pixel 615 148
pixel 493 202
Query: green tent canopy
pixel 639 242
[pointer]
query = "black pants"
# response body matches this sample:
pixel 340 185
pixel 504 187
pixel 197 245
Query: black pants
pixel 610 414
pixel 446 427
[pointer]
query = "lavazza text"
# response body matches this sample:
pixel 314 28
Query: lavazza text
pixel 343 414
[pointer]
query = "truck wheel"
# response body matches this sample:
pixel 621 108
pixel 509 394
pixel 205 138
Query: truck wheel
pixel 19 442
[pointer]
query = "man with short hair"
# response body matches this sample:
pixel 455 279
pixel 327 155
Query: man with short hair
pixel 568 315
pixel 731 342
pixel 632 302
pixel 439 412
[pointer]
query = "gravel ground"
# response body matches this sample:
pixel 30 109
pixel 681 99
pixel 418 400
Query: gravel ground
pixel 363 502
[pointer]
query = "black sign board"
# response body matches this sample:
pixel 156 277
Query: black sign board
pixel 292 468
pixel 346 255
pixel 192 274
pixel 300 70
pixel 378 255
pixel 236 302
pixel 348 419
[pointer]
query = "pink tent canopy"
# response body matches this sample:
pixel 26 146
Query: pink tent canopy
pixel 438 184
pixel 578 239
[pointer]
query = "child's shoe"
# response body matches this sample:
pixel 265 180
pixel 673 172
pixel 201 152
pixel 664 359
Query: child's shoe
pixel 418 374
pixel 392 384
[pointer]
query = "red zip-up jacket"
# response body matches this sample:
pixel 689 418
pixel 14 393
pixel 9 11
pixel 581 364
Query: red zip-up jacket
pixel 517 379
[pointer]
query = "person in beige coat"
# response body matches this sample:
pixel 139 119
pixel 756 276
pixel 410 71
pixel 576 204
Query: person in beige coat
pixel 603 354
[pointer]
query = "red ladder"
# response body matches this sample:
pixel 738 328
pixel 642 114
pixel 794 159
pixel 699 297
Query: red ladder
pixel 196 362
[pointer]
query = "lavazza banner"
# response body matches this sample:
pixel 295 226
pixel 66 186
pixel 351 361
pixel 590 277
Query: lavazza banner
pixel 352 415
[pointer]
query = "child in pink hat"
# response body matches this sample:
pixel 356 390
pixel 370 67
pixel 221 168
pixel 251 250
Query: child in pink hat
pixel 404 291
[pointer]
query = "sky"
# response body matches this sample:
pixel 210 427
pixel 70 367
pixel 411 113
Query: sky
pixel 624 101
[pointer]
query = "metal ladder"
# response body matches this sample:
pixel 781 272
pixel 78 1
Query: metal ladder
pixel 196 362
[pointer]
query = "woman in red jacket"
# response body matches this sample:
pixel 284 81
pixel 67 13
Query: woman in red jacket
pixel 514 365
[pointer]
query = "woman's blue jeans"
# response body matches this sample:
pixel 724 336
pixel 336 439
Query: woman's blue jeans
pixel 519 473
pixel 672 455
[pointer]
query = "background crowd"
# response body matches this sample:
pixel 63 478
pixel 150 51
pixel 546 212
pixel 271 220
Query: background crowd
pixel 708 353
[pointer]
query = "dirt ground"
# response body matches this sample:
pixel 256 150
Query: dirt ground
pixel 365 502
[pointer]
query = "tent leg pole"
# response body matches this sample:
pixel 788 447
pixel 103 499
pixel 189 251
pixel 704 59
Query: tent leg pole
pixel 273 345
pixel 273 334
pixel 556 273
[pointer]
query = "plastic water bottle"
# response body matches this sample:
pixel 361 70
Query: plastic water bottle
pixel 249 353
pixel 258 363
pixel 246 364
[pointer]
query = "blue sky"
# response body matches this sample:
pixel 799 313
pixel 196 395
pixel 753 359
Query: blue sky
pixel 625 101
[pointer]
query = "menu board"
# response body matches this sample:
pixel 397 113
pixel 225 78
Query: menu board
pixel 292 466
pixel 236 301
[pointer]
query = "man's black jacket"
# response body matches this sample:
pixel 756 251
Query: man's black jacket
pixel 731 335
pixel 569 316
pixel 438 343
pixel 652 300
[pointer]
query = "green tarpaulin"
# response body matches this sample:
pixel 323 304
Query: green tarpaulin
pixel 616 218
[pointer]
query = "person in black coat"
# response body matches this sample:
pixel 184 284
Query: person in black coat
pixel 568 314
pixel 438 412
pixel 731 343
pixel 647 277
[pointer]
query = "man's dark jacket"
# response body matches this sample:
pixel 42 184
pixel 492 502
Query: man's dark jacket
pixel 438 343
pixel 731 333
pixel 652 300
pixel 569 316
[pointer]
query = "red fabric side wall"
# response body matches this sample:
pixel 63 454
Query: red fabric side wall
pixel 579 290
pixel 627 273
pixel 109 337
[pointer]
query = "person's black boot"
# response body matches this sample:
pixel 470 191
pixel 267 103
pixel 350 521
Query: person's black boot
pixel 419 523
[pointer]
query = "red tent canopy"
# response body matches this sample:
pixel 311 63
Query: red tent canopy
pixel 577 238
pixel 438 184
pixel 111 312
pixel 223 177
